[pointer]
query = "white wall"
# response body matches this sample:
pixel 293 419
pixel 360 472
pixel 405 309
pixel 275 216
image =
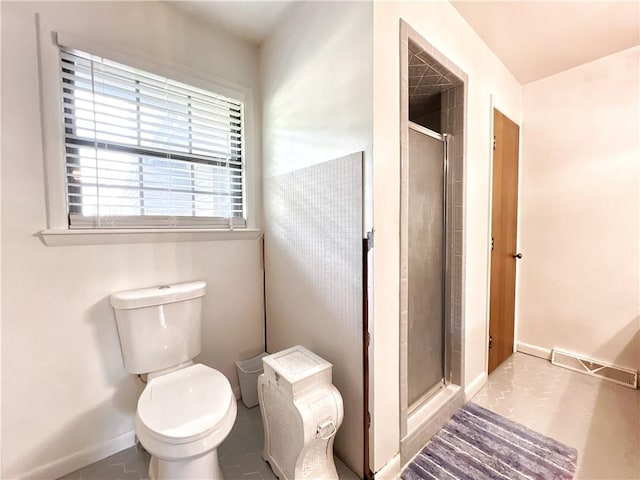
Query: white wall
pixel 445 29
pixel 66 397
pixel 316 84
pixel 580 211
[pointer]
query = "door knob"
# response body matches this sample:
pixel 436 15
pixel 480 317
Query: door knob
pixel 517 255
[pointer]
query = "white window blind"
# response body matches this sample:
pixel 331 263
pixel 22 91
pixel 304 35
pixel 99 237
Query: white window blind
pixel 146 151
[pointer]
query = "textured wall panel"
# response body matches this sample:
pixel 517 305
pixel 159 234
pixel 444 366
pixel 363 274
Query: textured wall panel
pixel 313 264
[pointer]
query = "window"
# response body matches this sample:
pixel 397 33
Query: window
pixel 146 151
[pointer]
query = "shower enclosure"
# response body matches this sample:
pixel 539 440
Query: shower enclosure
pixel 432 249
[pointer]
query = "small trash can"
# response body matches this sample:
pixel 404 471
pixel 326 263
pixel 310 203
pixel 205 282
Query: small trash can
pixel 248 372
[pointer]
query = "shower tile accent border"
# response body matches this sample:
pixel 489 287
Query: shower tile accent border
pixel 454 116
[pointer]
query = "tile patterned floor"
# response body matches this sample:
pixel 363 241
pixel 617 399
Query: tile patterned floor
pixel 240 456
pixel 599 418
pixel 129 464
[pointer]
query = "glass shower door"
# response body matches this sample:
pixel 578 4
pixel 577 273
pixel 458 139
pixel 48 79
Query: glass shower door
pixel 426 265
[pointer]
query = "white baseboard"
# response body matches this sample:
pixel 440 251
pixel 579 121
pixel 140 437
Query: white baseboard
pixel 391 471
pixel 534 350
pixel 84 457
pixel 474 386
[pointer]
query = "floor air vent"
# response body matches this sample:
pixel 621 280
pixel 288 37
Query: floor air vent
pixel 621 375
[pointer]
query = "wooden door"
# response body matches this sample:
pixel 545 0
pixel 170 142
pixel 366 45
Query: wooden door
pixel 503 239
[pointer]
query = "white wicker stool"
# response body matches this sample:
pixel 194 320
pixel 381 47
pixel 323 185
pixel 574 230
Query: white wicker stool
pixel 301 412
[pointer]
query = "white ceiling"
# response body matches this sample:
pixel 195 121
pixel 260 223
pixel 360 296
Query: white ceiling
pixel 535 39
pixel 250 19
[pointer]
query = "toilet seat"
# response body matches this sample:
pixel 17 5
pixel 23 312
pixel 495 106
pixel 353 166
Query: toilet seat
pixel 186 405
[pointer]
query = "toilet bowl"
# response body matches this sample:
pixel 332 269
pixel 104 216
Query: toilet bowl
pixel 186 410
pixel 181 419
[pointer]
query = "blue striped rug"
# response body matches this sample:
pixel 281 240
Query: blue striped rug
pixel 478 444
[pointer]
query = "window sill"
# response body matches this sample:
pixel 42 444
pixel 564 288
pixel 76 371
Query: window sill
pixel 64 237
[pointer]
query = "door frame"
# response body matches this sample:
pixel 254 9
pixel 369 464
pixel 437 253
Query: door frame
pixel 492 110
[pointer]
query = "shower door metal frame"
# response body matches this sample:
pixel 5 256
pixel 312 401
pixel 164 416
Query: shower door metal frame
pixel 446 340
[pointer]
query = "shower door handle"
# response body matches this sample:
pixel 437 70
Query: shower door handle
pixel 517 256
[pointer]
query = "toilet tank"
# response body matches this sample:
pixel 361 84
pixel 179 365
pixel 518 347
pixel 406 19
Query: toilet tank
pixel 159 327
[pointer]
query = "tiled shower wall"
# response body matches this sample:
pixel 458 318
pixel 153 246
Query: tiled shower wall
pixel 453 124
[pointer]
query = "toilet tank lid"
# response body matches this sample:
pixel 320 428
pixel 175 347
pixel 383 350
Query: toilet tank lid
pixel 160 295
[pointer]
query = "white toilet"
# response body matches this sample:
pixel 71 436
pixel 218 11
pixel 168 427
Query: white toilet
pixel 186 410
